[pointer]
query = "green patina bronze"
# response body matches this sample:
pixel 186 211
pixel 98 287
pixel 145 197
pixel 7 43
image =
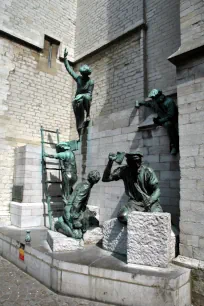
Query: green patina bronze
pixel 141 185
pixel 83 96
pixel 68 167
pixel 167 112
pixel 76 217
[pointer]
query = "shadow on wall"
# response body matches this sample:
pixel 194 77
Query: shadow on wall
pixel 118 74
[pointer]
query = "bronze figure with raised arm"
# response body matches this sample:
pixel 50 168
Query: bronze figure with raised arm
pixel 167 116
pixel 141 185
pixel 83 96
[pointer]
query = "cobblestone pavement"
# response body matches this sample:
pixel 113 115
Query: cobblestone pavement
pixel 19 289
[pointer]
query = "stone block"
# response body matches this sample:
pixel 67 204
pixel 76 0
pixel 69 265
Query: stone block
pixel 93 235
pixel 115 236
pixel 149 237
pixel 60 243
pixel 25 215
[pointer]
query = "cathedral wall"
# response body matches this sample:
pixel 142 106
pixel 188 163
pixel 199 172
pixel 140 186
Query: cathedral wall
pixel 35 89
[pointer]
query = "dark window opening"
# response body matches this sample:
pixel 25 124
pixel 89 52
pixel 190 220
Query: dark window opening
pixel 51 47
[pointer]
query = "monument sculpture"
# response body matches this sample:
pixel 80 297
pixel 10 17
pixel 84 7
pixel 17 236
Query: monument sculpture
pixel 167 112
pixel 68 167
pixel 141 185
pixel 75 219
pixel 83 96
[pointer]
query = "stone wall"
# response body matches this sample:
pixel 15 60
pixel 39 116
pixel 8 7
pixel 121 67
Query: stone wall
pixel 124 70
pixel 192 26
pixel 31 20
pixel 191 126
pixel 30 97
pixel 31 92
pixel 163 38
pixel 118 77
pixel 101 22
pixel 119 132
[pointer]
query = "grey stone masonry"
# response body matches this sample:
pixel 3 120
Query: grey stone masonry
pixel 110 19
pixel 191 16
pixel 149 237
pixel 119 132
pixel 115 236
pixel 30 21
pixel 60 243
pixel 191 126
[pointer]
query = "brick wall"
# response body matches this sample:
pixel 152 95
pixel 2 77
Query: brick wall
pixel 102 21
pixel 163 39
pixel 31 20
pixel 191 126
pixel 192 26
pixel 30 97
pixel 35 96
pixel 117 74
pixel 119 132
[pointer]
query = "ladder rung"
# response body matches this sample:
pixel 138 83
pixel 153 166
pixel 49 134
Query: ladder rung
pixel 53 182
pixel 49 142
pixel 53 168
pixel 55 132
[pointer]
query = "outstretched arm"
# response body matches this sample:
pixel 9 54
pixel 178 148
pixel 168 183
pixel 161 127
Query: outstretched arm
pixel 107 175
pixel 51 155
pixel 142 103
pixel 68 67
pixel 60 155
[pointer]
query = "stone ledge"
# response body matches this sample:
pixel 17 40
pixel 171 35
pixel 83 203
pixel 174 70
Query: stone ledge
pixel 60 243
pixel 137 26
pixel 186 51
pixel 148 239
pixel 95 274
pixel 188 262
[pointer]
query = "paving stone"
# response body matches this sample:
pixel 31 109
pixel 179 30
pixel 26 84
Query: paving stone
pixel 19 289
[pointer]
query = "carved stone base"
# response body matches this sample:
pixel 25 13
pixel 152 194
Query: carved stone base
pixel 149 237
pixel 115 236
pixel 60 243
pixel 93 235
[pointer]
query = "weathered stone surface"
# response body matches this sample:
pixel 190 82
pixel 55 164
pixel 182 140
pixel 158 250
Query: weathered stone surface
pixel 60 243
pixel 115 236
pixel 149 238
pixel 93 235
pixel 173 242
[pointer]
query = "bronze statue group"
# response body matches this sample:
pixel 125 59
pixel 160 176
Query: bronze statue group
pixel 140 181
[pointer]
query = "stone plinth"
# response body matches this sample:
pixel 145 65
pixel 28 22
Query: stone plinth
pixel 149 237
pixel 93 235
pixel 26 215
pixel 96 274
pixel 115 236
pixel 60 243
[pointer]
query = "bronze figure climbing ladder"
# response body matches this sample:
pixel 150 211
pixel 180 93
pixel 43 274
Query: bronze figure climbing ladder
pixel 46 196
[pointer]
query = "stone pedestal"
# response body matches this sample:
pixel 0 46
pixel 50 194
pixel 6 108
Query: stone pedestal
pixel 115 236
pixel 149 237
pixel 95 274
pixel 150 234
pixel 60 243
pixel 26 215
pixel 93 235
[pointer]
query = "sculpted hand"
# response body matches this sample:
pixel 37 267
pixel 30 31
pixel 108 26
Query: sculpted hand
pixel 156 121
pixel 112 156
pixel 65 53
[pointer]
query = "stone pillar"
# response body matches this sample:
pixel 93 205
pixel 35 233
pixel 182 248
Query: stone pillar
pixel 27 207
pixel 189 60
